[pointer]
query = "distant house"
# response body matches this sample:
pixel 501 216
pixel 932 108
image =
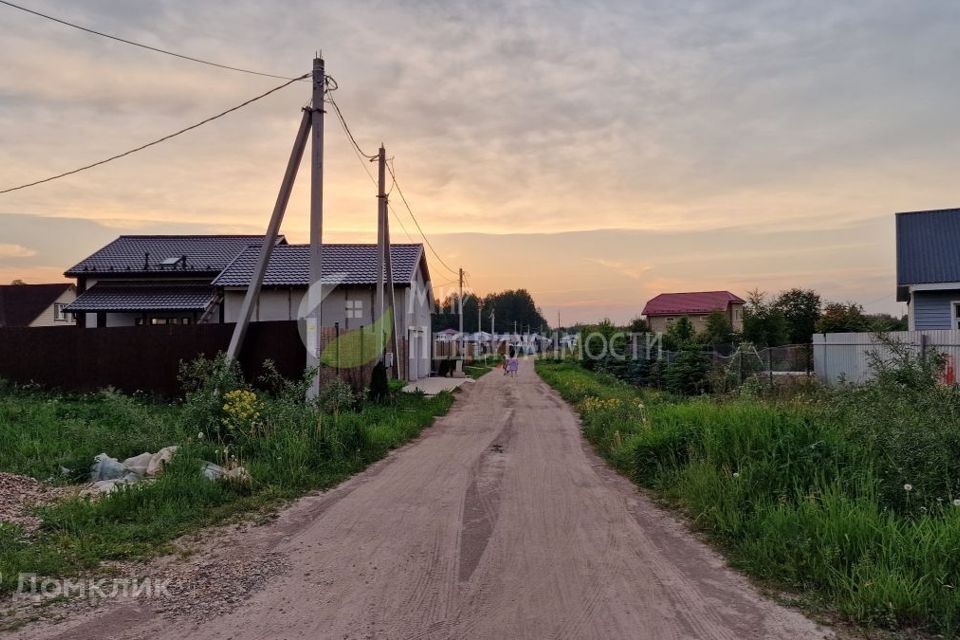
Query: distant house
pixel 928 267
pixel 666 308
pixel 36 305
pixel 201 279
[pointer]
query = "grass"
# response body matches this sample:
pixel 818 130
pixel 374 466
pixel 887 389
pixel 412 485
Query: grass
pixel 482 366
pixel 805 495
pixel 290 448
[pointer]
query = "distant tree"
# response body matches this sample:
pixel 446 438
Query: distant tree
pixel 509 307
pixel 801 309
pixel 887 322
pixel 763 324
pixel 679 334
pixel 18 281
pixel 839 317
pixel 718 329
pixel 638 325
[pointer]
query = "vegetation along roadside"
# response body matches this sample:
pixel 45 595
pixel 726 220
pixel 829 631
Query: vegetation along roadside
pixel 849 498
pixel 287 448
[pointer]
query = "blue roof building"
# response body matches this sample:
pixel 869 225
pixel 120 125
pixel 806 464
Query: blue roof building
pixel 928 267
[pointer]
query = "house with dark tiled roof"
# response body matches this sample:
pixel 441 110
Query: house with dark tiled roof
pixel 928 267
pixel 662 310
pixel 36 305
pixel 201 279
pixel 154 279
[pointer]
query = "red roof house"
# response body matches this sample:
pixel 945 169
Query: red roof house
pixel 667 307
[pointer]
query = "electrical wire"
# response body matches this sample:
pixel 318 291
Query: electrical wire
pixel 416 222
pixel 364 158
pixel 143 46
pixel 158 140
pixel 396 185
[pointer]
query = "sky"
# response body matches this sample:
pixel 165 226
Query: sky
pixel 595 153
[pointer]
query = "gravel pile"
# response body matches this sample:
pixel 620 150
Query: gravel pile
pixel 18 494
pixel 216 586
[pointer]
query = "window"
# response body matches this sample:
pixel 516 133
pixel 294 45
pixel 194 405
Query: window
pixel 354 309
pixel 59 315
pixel 955 320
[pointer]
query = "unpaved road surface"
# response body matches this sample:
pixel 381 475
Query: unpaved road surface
pixel 498 523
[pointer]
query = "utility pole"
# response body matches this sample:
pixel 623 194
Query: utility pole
pixel 381 194
pixel 269 240
pixel 493 329
pixel 462 342
pixel 388 266
pixel 316 223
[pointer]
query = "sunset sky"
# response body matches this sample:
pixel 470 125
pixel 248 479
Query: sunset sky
pixel 596 153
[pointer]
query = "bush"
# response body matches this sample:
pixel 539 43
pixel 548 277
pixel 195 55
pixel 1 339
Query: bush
pixel 687 374
pixel 336 395
pixel 379 385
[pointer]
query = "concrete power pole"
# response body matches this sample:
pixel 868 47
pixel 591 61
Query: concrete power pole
pixel 463 344
pixel 381 194
pixel 493 330
pixel 384 207
pixel 312 122
pixel 316 222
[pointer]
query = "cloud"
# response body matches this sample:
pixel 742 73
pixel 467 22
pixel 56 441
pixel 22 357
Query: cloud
pixel 630 271
pixel 791 123
pixel 15 251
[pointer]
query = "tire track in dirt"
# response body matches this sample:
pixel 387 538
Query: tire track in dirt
pixel 499 522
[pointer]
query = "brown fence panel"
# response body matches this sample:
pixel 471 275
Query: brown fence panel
pixel 143 358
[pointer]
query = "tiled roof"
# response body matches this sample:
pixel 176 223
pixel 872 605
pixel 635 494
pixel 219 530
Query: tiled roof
pixel 675 304
pixel 343 263
pixel 20 304
pixel 928 246
pixel 128 254
pixel 165 297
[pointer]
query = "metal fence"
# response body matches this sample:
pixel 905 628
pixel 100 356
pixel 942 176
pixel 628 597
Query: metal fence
pixel 850 356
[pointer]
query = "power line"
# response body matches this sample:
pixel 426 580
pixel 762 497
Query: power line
pixel 364 160
pixel 144 46
pixel 158 140
pixel 396 185
pixel 416 222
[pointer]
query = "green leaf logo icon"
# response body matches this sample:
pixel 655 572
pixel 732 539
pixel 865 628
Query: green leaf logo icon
pixel 361 346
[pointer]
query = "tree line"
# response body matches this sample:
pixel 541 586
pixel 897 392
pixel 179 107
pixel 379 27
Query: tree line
pixel 514 308
pixel 790 317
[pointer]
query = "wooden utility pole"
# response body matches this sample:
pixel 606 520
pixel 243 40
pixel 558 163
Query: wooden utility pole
pixel 316 222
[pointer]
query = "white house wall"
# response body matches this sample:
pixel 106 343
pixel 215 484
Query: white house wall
pixel 49 318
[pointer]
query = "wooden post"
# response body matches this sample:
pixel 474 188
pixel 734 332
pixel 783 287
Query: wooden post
pixel 269 240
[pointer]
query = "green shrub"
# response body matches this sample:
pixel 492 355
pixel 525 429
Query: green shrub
pixel 807 494
pixel 687 374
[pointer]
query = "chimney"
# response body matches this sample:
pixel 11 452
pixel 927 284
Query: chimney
pixel 146 261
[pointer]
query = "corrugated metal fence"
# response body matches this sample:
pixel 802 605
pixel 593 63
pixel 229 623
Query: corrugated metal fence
pixel 849 356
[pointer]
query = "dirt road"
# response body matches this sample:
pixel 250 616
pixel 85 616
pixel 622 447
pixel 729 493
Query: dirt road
pixel 498 523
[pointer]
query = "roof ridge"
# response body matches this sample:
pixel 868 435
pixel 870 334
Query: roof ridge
pixel 690 293
pixel 947 210
pixel 195 236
